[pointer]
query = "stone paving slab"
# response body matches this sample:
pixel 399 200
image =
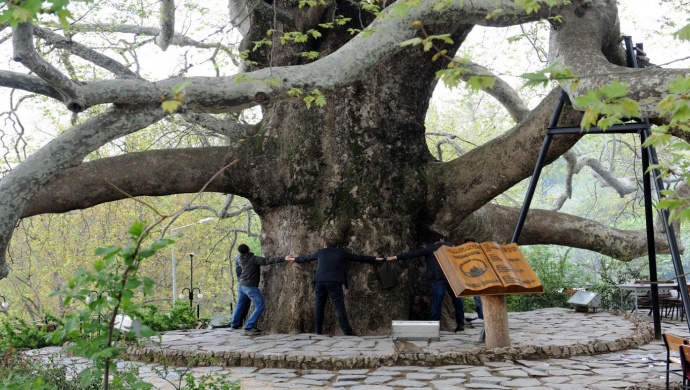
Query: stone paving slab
pixel 573 351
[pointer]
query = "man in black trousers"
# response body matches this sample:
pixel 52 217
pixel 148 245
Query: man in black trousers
pixel 439 283
pixel 329 279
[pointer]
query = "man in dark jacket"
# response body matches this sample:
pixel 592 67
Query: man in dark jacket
pixel 439 283
pixel 329 279
pixel 249 288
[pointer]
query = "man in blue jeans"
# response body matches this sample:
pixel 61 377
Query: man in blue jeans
pixel 439 283
pixel 249 288
pixel 246 302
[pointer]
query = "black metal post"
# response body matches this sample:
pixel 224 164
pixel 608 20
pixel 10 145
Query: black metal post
pixel 648 158
pixel 670 234
pixel 651 246
pixel 191 279
pixel 562 98
pixel 191 288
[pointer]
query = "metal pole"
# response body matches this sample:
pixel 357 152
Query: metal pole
pixel 670 235
pixel 174 273
pixel 538 166
pixel 651 246
pixel 532 187
pixel 191 280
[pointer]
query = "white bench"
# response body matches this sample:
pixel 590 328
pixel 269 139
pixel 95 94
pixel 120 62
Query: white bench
pixel 416 330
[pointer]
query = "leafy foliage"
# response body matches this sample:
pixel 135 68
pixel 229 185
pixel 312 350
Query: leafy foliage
pixel 607 106
pixel 209 382
pixel 18 371
pixel 107 291
pixel 17 333
pixel 557 275
pixel 181 316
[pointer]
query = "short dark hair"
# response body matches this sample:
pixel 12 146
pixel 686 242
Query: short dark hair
pixel 243 248
pixel 470 239
pixel 330 242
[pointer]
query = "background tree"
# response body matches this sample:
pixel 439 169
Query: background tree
pixel 340 148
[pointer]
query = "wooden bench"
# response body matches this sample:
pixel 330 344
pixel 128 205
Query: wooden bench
pixel 673 343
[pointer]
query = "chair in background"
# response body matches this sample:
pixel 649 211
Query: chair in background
pixel 673 343
pixel 645 302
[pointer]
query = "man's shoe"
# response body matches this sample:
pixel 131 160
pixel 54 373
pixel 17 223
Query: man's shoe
pixel 350 334
pixel 458 329
pixel 233 328
pixel 469 320
pixel 252 331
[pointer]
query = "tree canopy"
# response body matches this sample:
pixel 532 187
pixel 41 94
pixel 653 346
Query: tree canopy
pixel 339 147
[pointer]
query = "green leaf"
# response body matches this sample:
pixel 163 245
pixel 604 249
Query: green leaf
pixel 411 42
pixel 161 243
pixel 22 15
pixel 98 265
pixel 170 106
pixel 109 251
pixel 615 89
pixel 63 15
pixel 308 100
pixel 137 229
pixel 680 85
pixel 683 34
pixel 605 123
pixel 320 101
pixel 295 92
pixel 131 284
pixel 180 87
pixel 146 253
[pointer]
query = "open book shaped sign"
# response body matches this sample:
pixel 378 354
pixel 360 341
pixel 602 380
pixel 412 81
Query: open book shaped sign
pixel 487 269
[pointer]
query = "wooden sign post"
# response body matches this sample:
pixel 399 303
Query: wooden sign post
pixel 491 271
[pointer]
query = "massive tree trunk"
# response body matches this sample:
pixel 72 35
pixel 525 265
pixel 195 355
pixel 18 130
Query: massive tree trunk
pixel 356 170
pixel 353 170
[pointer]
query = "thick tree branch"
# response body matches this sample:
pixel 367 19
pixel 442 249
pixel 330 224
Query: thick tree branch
pixel 85 185
pixel 570 160
pixel 597 58
pixel 63 152
pixel 501 91
pixel 347 64
pixel 28 83
pixel 25 52
pixel 167 21
pixel 230 128
pixel 497 223
pixel 496 166
pixel 622 186
pixel 84 52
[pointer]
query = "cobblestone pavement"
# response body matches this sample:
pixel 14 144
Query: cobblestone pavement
pixel 572 351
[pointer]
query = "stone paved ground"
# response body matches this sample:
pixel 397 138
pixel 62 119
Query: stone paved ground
pixel 550 349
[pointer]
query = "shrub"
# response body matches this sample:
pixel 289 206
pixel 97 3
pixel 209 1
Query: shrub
pixel 17 333
pixel 181 316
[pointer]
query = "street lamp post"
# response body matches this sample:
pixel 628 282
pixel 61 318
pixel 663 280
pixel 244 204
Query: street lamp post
pixel 4 304
pixel 191 288
pixel 174 276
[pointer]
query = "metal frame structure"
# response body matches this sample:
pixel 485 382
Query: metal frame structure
pixel 649 156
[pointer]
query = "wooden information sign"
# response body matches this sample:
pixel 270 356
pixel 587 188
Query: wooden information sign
pixel 487 269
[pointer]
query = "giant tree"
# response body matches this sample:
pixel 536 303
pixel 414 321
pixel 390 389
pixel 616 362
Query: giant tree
pixel 340 149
